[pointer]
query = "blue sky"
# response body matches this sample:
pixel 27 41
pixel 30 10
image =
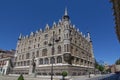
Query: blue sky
pixel 95 16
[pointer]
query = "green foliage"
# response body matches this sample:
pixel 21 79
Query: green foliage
pixel 21 77
pixel 96 64
pixel 99 66
pixel 108 70
pixel 117 62
pixel 64 73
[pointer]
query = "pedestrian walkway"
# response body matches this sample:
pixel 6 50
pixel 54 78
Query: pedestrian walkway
pixel 85 77
pixel 107 77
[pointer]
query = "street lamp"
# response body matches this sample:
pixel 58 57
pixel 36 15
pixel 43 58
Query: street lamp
pixel 53 40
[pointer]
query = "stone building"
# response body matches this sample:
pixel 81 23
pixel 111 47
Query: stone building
pixel 6 60
pixel 71 51
pixel 116 8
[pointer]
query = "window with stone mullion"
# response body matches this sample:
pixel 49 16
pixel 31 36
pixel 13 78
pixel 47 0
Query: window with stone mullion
pixel 52 60
pixel 59 49
pixel 41 61
pixel 44 52
pixel 59 59
pixel 46 61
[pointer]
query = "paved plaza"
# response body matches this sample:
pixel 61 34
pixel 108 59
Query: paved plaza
pixel 85 77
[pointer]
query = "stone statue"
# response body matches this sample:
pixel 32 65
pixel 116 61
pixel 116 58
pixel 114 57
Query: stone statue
pixel 33 65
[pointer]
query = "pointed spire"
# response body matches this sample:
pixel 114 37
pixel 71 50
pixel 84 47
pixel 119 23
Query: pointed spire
pixel 65 17
pixel 47 27
pixel 36 31
pixel 20 37
pixel 26 36
pixel 77 30
pixel 73 26
pixel 31 33
pixel 88 36
pixel 54 23
pixel 66 12
pixel 59 20
pixel 40 30
pixel 81 33
pixel 84 35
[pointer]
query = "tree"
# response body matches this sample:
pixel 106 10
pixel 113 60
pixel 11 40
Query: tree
pixel 117 62
pixel 64 74
pixel 108 70
pixel 96 64
pixel 99 66
pixel 21 77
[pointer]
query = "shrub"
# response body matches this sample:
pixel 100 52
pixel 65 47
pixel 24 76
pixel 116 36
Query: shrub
pixel 21 77
pixel 64 73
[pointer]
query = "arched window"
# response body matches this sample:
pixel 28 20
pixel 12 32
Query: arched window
pixel 46 36
pixel 76 51
pixel 41 61
pixel 28 63
pixel 45 43
pixel 59 38
pixel 59 49
pixel 44 52
pixel 72 50
pixel 27 55
pixel 59 59
pixel 52 50
pixel 33 54
pixel 67 35
pixel 53 32
pixel 34 46
pixel 68 49
pixel 37 54
pixel 35 39
pixel 22 56
pixel 64 48
pixel 52 60
pixel 24 63
pixel 15 58
pixel 38 45
pixel 21 63
pixel 59 31
pixel 18 63
pixel 83 55
pixel 46 61
pixel 39 39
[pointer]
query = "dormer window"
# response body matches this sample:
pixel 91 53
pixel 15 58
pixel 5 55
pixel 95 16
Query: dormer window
pixel 45 43
pixel 39 38
pixel 53 32
pixel 46 36
pixel 59 31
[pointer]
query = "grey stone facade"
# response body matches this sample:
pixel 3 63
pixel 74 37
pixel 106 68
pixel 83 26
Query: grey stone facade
pixel 72 53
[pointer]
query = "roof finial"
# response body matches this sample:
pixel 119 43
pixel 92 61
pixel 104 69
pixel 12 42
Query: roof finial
pixel 20 36
pixel 66 13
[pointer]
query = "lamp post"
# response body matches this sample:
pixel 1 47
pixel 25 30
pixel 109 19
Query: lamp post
pixel 53 40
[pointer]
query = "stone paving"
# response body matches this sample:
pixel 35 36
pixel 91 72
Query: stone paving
pixel 85 77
